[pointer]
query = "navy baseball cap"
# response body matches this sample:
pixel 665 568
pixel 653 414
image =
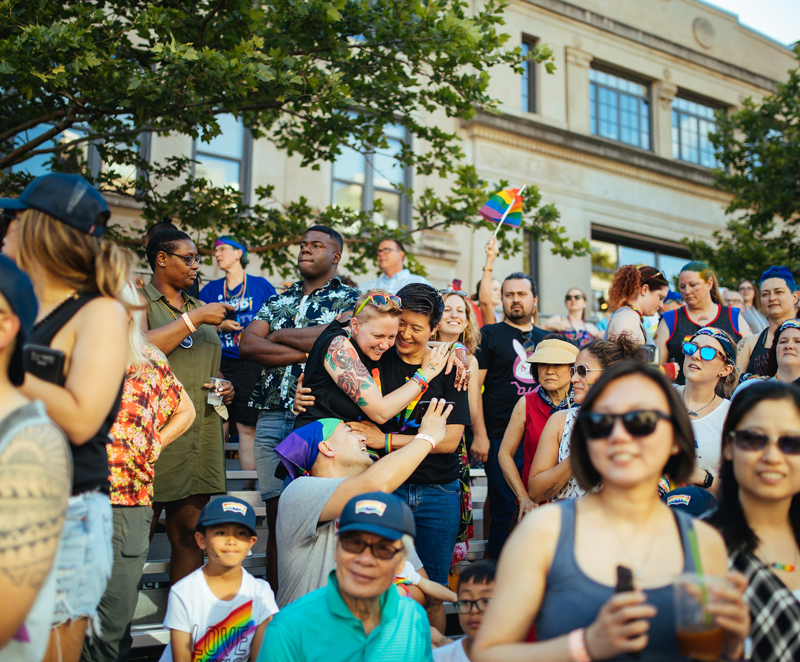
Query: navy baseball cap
pixel 228 510
pixel 17 289
pixel 382 514
pixel 692 500
pixel 68 198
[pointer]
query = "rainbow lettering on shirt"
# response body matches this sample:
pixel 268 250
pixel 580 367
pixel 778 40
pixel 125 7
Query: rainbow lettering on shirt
pixel 222 638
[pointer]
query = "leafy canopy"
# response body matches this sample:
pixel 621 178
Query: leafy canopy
pixel 311 76
pixel 759 149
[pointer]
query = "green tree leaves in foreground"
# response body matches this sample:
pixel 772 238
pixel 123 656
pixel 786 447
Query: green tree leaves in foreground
pixel 311 77
pixel 759 149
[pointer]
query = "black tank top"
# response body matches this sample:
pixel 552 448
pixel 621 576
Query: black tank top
pixel 89 460
pixel 681 328
pixel 759 357
pixel 330 400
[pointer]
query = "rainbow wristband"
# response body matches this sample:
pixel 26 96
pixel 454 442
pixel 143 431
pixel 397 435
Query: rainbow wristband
pixel 420 379
pixel 389 448
pixel 457 345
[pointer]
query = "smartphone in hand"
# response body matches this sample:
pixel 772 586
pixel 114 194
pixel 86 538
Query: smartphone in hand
pixel 422 409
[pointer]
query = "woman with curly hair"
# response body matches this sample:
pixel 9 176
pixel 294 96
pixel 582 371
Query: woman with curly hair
pixel 704 307
pixel 551 476
pixel 635 293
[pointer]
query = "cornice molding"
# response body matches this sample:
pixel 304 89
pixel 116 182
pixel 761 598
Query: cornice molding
pixel 594 152
pixel 649 40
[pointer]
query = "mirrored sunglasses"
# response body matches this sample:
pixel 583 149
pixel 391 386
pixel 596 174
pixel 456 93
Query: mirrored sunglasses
pixel 379 300
pixel 581 370
pixel 706 353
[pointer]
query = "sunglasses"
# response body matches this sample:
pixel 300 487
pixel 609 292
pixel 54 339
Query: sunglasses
pixel 383 550
pixel 190 260
pixel 465 606
pixel 638 423
pixel 446 293
pixel 570 297
pixel 750 440
pixel 379 300
pixel 581 370
pixel 706 353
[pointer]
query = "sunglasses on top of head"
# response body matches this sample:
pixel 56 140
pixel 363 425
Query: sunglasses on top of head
pixel 751 440
pixel 706 353
pixel 641 423
pixel 445 293
pixel 379 300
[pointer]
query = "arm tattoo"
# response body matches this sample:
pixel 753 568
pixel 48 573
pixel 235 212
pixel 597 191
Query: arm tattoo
pixel 352 375
pixel 34 487
pixel 742 343
pixel 551 491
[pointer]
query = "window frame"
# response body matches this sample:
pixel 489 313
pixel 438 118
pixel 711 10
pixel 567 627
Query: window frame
pixel 245 162
pixel 647 97
pixel 368 187
pixel 530 72
pixel 691 98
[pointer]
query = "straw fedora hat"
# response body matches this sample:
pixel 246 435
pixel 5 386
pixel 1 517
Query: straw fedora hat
pixel 554 351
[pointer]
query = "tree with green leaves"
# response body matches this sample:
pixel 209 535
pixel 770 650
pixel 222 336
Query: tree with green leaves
pixel 312 77
pixel 758 148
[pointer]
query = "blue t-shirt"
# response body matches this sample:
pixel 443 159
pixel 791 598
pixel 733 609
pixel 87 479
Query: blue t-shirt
pixel 247 306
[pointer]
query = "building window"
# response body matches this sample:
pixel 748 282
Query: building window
pixel 225 159
pixel 610 253
pixel 359 179
pixel 528 77
pixel 619 109
pixel 691 124
pixel 41 163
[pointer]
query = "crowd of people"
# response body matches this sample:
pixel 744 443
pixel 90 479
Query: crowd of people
pixel 643 472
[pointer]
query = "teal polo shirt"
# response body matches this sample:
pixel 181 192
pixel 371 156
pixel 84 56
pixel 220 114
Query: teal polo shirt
pixel 320 627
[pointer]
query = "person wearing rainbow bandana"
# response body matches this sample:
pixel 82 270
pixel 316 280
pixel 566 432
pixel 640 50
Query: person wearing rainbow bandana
pixel 246 294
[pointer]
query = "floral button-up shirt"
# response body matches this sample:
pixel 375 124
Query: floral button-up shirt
pixel 149 400
pixel 294 310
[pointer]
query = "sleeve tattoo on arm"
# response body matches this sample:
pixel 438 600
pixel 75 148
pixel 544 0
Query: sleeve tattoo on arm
pixel 34 488
pixel 352 375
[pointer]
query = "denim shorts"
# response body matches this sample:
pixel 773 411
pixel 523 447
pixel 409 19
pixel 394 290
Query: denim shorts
pixel 84 559
pixel 437 514
pixel 273 426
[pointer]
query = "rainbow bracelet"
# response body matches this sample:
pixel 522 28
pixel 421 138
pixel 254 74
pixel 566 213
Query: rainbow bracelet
pixel 389 448
pixel 420 379
pixel 455 346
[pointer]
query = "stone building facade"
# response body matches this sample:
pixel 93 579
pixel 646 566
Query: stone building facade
pixel 616 138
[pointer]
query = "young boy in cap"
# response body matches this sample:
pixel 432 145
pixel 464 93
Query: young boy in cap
pixel 220 612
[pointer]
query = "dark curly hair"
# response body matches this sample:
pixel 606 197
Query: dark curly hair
pixel 611 352
pixel 629 280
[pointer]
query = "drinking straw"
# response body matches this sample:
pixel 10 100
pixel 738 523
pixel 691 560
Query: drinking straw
pixel 699 567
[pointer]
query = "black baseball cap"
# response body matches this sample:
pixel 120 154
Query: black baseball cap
pixel 68 198
pixel 382 514
pixel 228 510
pixel 17 289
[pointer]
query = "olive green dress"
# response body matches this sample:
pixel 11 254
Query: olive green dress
pixel 195 462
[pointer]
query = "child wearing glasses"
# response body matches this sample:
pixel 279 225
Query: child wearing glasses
pixel 475 587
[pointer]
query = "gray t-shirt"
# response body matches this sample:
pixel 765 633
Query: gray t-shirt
pixel 306 545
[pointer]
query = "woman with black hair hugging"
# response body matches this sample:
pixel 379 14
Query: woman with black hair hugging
pixel 759 513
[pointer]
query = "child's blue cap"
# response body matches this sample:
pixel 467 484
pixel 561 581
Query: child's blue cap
pixel 228 510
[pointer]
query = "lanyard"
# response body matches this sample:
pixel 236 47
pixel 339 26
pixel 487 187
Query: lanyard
pixel 235 302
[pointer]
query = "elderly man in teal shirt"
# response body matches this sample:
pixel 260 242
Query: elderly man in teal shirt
pixel 359 615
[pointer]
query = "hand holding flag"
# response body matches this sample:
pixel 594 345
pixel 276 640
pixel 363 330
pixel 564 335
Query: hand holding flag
pixel 504 207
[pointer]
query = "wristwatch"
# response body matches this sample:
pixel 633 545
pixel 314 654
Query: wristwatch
pixel 709 480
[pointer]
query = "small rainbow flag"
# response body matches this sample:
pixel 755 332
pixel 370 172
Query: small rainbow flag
pixel 497 205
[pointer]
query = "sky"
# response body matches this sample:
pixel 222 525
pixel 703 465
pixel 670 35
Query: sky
pixel 777 19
